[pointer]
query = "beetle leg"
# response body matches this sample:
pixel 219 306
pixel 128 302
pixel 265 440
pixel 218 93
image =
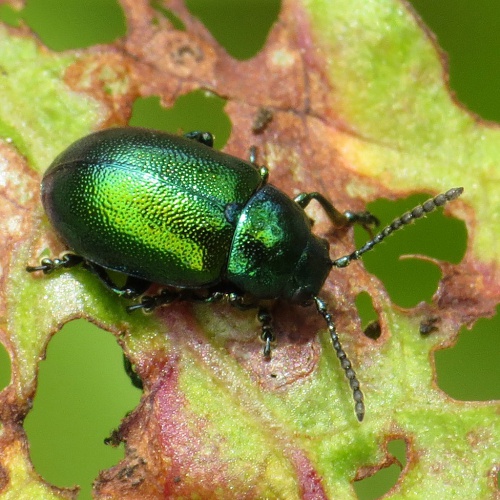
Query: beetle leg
pixel 264 174
pixel 405 219
pixel 263 170
pixel 204 137
pixel 213 296
pixel 151 302
pixel 47 265
pixel 236 300
pixel 267 335
pixel 357 395
pixel 264 317
pixel 133 286
pixel 338 219
pixel 167 296
pixel 252 155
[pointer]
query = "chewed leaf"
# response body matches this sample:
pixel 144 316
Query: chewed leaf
pixel 346 98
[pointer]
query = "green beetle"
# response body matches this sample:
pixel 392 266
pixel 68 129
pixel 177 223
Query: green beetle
pixel 172 210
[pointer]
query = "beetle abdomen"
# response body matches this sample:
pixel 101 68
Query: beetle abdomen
pixel 153 206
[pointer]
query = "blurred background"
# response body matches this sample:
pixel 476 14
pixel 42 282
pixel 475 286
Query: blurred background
pixel 83 389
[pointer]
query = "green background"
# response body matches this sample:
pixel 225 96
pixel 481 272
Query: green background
pixel 83 390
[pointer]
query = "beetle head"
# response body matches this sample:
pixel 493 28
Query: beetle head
pixel 310 271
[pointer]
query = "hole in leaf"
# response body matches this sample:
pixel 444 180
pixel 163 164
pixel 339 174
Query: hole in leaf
pixel 198 110
pixel 176 22
pixel 83 393
pixel 469 371
pixel 9 16
pixel 240 27
pixel 5 367
pixel 382 481
pixel 72 24
pixel 397 448
pixel 368 316
pixel 410 281
pixel 468 32
pixel 373 330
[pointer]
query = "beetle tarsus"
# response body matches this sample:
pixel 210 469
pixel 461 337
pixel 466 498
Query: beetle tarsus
pixel 365 219
pixel 149 303
pixel 48 265
pixel 357 395
pixel 267 335
pixel 407 218
pixel 135 307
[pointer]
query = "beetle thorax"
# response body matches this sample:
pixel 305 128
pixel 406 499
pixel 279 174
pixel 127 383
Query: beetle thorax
pixel 274 254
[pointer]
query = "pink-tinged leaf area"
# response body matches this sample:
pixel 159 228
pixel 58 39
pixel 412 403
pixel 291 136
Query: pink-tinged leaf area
pixel 360 110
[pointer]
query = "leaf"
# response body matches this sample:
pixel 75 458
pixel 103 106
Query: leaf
pixel 360 110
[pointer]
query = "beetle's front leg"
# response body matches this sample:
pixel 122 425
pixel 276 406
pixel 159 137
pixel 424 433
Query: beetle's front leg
pixel 402 221
pixel 338 219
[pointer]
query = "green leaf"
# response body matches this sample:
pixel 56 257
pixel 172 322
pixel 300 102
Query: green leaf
pixel 360 109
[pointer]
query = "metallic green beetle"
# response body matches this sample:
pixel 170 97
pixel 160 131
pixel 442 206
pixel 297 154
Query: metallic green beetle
pixel 172 210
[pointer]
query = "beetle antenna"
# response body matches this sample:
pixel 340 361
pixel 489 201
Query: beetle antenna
pixel 357 395
pixel 405 219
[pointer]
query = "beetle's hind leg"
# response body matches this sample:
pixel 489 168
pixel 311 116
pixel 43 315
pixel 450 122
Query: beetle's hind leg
pixel 133 286
pixel 47 265
pixel 338 219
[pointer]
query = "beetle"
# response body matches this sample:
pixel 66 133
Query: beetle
pixel 205 225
